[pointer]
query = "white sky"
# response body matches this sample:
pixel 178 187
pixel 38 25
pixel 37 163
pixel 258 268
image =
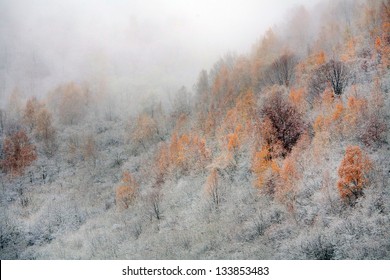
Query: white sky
pixel 146 42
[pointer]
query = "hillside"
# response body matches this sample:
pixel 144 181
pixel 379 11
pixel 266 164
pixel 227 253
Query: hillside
pixel 280 153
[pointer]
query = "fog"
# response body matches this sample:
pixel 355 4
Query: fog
pixel 132 47
pixel 277 146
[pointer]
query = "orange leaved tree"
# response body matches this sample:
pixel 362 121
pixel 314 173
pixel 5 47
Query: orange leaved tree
pixel 265 169
pixel 353 173
pixel 30 112
pixel 18 153
pixel 127 191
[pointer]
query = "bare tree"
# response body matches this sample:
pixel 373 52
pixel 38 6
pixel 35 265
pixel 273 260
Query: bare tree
pixel 153 202
pixel 338 74
pixel 211 187
pixel 281 71
pixel 334 73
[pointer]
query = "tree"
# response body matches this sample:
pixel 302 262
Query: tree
pixel 181 103
pixel 241 76
pixel 338 74
pixel 320 58
pixel 202 90
pixel 182 152
pixel 383 48
pixel 70 101
pixel 144 131
pixel 353 174
pixel 269 138
pixel 375 127
pixel 297 98
pixel 45 131
pixel 211 187
pixel 265 170
pixel 207 120
pixel 90 152
pixel 162 163
pixel 289 175
pixel 281 71
pixel 30 112
pixel 153 201
pixel 185 153
pixel 127 191
pixel 285 121
pixel 246 106
pixel 291 172
pixel 264 53
pixel 356 114
pixel 222 91
pixel 73 148
pixel 334 73
pixel 350 50
pixel 18 153
pixel 374 130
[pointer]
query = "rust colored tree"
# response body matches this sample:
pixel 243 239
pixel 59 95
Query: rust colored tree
pixel 144 131
pixel 18 153
pixel 127 191
pixel 162 164
pixel 30 112
pixel 353 174
pixel 265 170
pixel 285 121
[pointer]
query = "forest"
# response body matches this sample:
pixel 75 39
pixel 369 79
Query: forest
pixel 279 153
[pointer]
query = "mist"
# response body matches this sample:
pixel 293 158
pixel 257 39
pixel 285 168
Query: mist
pixel 137 48
pixel 194 129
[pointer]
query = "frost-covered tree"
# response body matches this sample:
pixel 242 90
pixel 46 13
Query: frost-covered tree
pixel 285 121
pixel 127 191
pixel 281 71
pixel 18 153
pixel 334 73
pixel 353 174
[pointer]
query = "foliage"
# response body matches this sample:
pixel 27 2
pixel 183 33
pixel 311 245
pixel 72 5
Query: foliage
pixel 144 131
pixel 127 191
pixel 285 121
pixel 30 112
pixel 180 156
pixel 18 153
pixel 353 174
pixel 265 169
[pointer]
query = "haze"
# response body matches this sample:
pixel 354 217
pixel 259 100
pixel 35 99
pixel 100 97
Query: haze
pixel 136 47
